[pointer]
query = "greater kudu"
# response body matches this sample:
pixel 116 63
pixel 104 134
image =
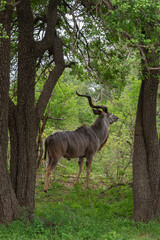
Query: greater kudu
pixel 82 143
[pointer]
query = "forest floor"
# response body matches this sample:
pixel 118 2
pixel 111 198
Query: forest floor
pixel 70 211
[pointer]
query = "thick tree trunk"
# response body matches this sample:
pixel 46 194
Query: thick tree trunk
pixel 24 118
pixel 146 157
pixel 9 207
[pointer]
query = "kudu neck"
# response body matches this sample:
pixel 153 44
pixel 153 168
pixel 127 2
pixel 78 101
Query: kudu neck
pixel 101 128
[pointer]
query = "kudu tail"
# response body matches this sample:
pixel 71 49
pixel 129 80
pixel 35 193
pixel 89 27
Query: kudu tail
pixel 46 151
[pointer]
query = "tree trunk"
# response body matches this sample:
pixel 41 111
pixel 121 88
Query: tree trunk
pixel 146 157
pixel 24 118
pixel 9 207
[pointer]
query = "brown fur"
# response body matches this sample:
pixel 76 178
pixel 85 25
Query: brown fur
pixel 105 142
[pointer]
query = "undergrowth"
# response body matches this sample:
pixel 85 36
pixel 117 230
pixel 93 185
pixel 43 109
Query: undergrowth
pixel 70 211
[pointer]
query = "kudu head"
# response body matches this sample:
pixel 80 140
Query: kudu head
pixel 103 112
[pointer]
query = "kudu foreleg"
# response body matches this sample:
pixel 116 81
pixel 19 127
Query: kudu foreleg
pixel 88 164
pixel 80 162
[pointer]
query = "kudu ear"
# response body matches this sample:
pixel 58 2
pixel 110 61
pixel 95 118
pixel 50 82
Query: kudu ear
pixel 97 111
pixel 105 109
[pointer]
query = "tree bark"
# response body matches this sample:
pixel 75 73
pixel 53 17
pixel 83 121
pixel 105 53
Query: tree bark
pixel 146 157
pixel 9 207
pixel 24 118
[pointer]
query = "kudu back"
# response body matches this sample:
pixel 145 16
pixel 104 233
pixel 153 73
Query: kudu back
pixel 82 143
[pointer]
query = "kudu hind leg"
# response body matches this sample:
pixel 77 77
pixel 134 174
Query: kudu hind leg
pixel 49 170
pixel 80 162
pixel 46 186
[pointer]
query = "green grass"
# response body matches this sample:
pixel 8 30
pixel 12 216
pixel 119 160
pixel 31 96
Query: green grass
pixel 69 212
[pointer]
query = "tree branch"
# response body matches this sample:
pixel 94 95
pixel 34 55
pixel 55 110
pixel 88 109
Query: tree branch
pixel 119 185
pixel 47 41
pixel 51 81
pixel 108 4
pixel 154 68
